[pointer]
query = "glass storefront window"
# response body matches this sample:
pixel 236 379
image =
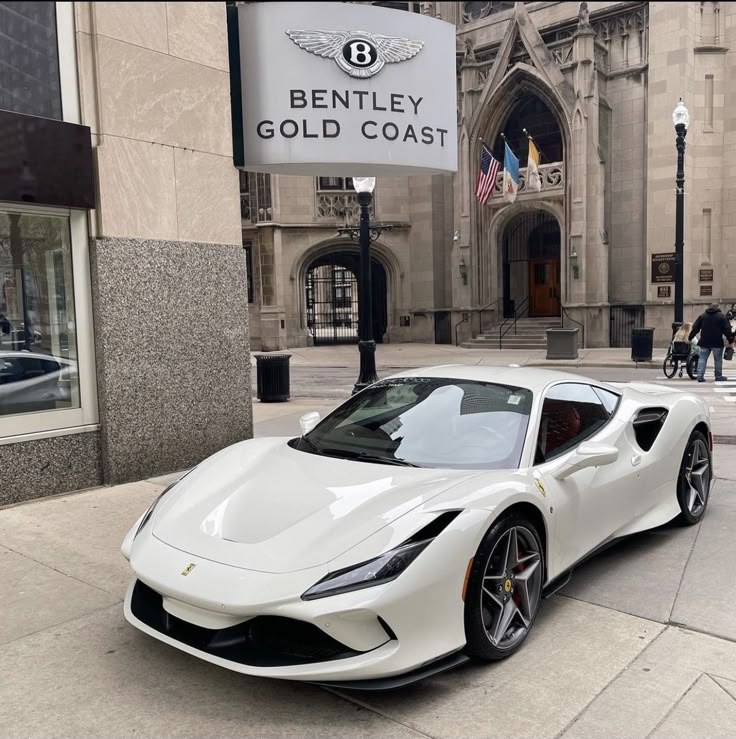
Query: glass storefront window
pixel 38 329
pixel 29 59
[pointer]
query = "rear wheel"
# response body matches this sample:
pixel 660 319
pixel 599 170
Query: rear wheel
pixel 693 482
pixel 669 367
pixel 504 589
pixel 692 366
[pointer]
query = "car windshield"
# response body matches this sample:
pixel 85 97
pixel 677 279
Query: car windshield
pixel 428 422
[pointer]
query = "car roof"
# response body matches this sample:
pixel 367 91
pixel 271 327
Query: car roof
pixel 531 378
pixel 31 355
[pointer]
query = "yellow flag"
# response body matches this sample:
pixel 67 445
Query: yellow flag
pixel 533 180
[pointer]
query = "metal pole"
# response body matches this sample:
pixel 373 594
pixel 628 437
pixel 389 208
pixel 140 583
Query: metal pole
pixel 679 226
pixel 366 344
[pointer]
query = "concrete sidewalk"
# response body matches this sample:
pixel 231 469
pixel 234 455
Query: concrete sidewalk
pixel 641 643
pixel 422 355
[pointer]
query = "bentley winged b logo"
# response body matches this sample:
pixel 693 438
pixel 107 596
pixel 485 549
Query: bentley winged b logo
pixel 358 53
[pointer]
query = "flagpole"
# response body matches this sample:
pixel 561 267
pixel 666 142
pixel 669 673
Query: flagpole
pixel 505 141
pixel 541 153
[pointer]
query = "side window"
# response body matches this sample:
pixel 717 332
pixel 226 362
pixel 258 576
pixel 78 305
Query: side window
pixel 609 399
pixel 10 371
pixel 571 413
pixel 32 367
pixel 50 366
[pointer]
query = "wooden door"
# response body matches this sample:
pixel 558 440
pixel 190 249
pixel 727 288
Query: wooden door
pixel 544 287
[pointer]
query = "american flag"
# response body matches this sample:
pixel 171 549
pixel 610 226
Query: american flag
pixel 486 175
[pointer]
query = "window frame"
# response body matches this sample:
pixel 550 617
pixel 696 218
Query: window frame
pixel 43 424
pixel 341 189
pixel 25 426
pixel 534 429
pixel 248 253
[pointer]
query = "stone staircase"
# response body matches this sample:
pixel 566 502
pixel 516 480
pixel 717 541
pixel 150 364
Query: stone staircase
pixel 530 334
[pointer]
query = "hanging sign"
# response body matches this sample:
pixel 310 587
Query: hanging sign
pixel 344 89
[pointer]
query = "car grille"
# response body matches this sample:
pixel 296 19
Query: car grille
pixel 263 641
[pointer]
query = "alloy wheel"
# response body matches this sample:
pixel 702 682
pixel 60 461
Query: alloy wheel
pixel 512 584
pixel 697 478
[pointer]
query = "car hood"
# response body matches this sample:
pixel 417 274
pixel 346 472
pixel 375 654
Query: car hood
pixel 261 505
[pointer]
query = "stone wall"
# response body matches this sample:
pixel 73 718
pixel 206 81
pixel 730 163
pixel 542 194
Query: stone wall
pixel 172 353
pixel 168 270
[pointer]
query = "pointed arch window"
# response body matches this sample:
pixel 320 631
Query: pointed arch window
pixel 474 11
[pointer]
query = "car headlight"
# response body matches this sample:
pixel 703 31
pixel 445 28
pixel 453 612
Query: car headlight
pixel 147 515
pixel 382 569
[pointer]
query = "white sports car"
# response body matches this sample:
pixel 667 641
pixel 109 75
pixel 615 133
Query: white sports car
pixel 416 526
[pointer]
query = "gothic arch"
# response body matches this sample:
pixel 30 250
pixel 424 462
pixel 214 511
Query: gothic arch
pixel 520 81
pixel 379 252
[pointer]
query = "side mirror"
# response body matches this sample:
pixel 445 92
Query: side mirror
pixel 308 421
pixel 586 455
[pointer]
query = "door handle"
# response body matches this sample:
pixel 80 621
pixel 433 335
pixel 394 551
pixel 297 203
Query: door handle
pixel 635 460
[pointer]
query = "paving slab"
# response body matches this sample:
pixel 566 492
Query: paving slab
pixel 287 424
pixel 34 597
pixel 707 597
pixel 639 575
pixel 80 535
pixel 706 710
pixel 728 685
pixel 99 677
pixel 724 460
pixel 638 701
pixel 574 651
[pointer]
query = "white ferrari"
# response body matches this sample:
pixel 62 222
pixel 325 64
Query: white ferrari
pixel 418 525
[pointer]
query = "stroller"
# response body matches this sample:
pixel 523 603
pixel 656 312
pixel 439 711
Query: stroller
pixel 682 355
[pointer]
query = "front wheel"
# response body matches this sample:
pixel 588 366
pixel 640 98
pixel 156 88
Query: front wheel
pixel 692 366
pixel 504 589
pixel 669 367
pixel 693 482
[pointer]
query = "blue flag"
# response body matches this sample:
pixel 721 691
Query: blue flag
pixel 510 174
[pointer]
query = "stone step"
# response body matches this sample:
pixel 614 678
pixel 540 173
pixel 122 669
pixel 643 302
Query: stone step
pixel 520 332
pixel 533 345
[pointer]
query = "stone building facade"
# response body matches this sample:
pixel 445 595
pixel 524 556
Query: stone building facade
pixel 595 85
pixel 124 346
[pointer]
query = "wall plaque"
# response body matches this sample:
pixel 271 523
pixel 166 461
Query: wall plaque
pixel 663 291
pixel 706 290
pixel 663 267
pixel 706 275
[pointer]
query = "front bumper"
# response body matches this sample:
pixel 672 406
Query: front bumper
pixel 256 623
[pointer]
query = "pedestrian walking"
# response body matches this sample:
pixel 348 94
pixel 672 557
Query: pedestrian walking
pixel 712 326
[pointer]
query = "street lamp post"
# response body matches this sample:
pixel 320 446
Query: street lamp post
pixel 364 234
pixel 681 120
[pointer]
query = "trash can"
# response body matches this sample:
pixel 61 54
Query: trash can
pixel 562 343
pixel 272 377
pixel 642 343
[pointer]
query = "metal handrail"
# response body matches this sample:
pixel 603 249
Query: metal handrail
pixel 565 314
pixel 518 311
pixel 470 315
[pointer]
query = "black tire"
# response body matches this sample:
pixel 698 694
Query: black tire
pixel 692 505
pixel 692 366
pixel 481 612
pixel 669 366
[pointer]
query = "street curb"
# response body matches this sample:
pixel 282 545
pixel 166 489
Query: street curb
pixel 729 440
pixel 583 363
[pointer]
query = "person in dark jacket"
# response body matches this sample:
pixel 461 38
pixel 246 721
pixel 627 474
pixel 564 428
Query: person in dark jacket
pixel 712 326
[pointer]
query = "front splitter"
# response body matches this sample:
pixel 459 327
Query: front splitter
pixel 448 662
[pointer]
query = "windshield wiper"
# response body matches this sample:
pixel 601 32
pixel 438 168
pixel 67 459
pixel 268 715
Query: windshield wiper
pixel 368 457
pixel 311 445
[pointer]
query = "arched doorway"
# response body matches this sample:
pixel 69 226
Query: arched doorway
pixel 530 255
pixel 331 298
